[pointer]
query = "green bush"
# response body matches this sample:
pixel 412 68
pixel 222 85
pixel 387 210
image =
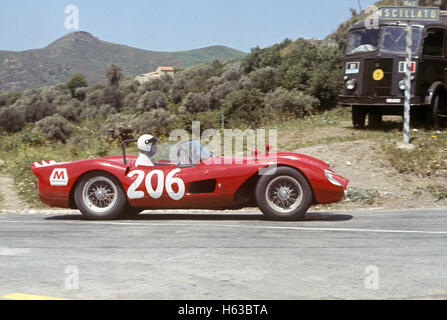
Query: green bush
pixel 71 111
pixel 244 108
pixel 152 100
pixel 118 126
pixel 196 102
pixel 157 121
pixel 9 98
pixel 12 119
pixel 283 101
pixel 55 128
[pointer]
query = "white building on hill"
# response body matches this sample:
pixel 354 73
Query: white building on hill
pixel 161 71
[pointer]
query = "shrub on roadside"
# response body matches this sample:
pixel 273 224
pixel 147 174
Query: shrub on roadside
pixel 55 128
pixel 12 119
pixel 283 101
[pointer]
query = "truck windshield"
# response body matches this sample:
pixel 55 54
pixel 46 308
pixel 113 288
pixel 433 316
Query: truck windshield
pixel 395 39
pixel 390 39
pixel 362 40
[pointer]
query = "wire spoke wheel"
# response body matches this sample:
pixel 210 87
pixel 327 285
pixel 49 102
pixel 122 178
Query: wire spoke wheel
pixel 284 194
pixel 99 194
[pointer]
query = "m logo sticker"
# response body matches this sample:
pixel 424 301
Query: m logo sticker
pixel 59 177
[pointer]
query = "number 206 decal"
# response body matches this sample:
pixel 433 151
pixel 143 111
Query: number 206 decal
pixel 132 192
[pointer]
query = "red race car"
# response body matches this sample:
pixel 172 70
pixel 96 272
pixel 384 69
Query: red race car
pixel 282 185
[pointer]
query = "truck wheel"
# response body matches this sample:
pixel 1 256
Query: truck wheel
pixel 433 118
pixel 358 117
pixel 100 196
pixel 374 120
pixel 285 195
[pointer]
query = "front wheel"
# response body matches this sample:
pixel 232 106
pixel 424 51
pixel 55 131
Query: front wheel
pixel 100 196
pixel 284 195
pixel 358 117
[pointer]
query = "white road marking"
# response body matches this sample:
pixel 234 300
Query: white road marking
pixel 234 226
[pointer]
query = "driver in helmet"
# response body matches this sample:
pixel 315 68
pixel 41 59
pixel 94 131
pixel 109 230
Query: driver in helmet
pixel 147 144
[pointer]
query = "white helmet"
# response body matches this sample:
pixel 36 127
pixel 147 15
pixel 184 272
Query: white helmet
pixel 145 142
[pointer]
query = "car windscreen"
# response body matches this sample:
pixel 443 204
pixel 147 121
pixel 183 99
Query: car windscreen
pixel 191 152
pixel 394 39
pixel 362 40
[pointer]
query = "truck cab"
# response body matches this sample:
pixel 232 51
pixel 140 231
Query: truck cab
pixel 374 79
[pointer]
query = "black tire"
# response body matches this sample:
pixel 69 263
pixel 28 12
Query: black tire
pixel 100 196
pixel 374 120
pixel 358 117
pixel 268 191
pixel 432 119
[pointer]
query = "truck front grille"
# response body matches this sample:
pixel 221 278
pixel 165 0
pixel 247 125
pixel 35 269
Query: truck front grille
pixel 373 88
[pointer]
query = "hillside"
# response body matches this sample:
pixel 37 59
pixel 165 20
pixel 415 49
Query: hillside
pixel 84 53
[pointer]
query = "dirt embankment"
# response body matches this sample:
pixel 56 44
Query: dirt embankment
pixel 373 182
pixel 9 196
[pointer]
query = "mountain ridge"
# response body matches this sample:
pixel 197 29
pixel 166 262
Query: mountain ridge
pixel 82 52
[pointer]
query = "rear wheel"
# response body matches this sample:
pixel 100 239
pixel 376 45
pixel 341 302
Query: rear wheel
pixel 100 196
pixel 436 111
pixel 284 195
pixel 374 120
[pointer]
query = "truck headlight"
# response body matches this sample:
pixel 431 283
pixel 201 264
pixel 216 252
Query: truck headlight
pixel 402 85
pixel 351 84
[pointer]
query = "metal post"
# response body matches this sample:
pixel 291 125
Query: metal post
pixel 223 119
pixel 407 106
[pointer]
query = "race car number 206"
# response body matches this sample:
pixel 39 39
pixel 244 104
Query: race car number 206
pixel 162 184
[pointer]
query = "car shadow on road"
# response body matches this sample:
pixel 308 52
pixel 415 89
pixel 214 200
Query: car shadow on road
pixel 311 216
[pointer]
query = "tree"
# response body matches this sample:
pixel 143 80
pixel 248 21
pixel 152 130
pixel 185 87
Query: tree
pixel 157 121
pixel 244 107
pixel 114 75
pixel 196 102
pixel 263 79
pixel 76 81
pixel 152 100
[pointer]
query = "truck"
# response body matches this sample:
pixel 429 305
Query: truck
pixel 375 71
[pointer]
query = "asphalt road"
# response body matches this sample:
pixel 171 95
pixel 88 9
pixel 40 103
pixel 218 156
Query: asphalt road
pixel 238 255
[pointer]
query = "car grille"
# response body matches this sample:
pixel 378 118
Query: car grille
pixel 373 88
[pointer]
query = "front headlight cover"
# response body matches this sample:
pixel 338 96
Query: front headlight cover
pixel 351 84
pixel 330 177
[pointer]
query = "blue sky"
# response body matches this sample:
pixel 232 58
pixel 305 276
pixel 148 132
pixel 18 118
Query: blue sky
pixel 173 25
